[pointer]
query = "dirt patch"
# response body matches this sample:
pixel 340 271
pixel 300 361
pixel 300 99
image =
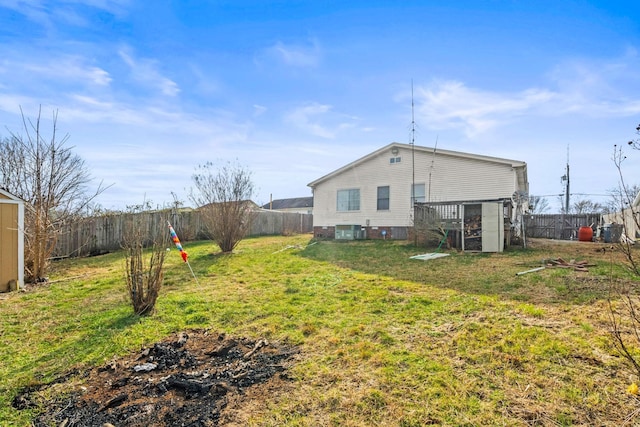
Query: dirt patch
pixel 196 379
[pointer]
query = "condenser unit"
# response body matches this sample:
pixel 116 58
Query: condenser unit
pixel 349 232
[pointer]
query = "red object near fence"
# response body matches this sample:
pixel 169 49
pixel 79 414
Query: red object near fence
pixel 585 234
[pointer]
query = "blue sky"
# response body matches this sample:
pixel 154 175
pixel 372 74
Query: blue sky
pixel 296 89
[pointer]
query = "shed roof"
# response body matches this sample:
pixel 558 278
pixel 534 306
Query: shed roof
pixel 9 196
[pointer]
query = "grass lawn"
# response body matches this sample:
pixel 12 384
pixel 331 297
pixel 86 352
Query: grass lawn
pixel 384 339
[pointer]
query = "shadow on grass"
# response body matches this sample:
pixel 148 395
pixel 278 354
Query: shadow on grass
pixel 98 332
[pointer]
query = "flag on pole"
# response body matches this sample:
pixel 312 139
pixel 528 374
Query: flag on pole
pixel 183 253
pixel 176 241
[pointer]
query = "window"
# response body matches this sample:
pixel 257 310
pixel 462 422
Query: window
pixel 418 194
pixel 395 160
pixel 383 198
pixel 349 200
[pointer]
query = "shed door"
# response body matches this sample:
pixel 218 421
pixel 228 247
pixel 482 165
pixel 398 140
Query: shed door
pixel 492 227
pixel 8 244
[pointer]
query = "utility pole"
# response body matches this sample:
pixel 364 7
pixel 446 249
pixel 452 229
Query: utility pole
pixel 565 179
pixel 566 195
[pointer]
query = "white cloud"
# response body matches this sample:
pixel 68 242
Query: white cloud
pixel 259 110
pixel 61 69
pixel 589 89
pixel 319 120
pixel 152 119
pixel 146 72
pixel 49 13
pixel 451 104
pixel 113 6
pixel 596 88
pixel 11 103
pixel 70 68
pixel 295 55
pixel 306 118
pixel 35 11
pixel 204 81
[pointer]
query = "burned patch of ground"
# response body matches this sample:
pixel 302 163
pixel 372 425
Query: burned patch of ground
pixel 196 379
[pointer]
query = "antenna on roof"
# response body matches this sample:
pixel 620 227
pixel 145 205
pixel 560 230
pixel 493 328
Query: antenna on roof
pixel 413 164
pixel 433 161
pixel 413 117
pixel 413 156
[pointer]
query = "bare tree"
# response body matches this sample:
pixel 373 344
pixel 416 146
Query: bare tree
pixel 624 199
pixel 538 204
pixel 619 197
pixel 223 194
pixel 587 206
pixel 143 267
pixel 561 201
pixel 624 310
pixel 52 181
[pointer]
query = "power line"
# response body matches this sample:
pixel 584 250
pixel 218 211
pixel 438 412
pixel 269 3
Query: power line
pixel 571 194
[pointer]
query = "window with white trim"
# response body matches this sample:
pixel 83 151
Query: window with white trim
pixel 418 194
pixel 349 200
pixel 383 198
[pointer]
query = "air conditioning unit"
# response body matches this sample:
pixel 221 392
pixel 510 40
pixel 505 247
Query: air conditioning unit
pixel 349 232
pixel 360 234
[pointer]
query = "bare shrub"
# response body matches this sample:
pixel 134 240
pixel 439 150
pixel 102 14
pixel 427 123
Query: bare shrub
pixel 223 195
pixel 624 317
pixel 428 226
pixel 145 246
pixel 624 302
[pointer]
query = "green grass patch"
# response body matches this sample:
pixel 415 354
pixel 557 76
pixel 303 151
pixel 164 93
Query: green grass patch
pixel 384 339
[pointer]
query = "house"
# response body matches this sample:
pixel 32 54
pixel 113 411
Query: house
pixel 297 204
pixel 627 221
pixel 11 242
pixel 376 195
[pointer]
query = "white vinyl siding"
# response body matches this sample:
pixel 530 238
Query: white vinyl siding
pixel 445 177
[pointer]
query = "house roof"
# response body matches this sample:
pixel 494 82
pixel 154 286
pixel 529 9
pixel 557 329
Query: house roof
pixel 292 203
pixel 520 166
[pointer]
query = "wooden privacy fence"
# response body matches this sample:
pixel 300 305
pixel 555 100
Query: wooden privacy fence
pixel 558 226
pixel 100 234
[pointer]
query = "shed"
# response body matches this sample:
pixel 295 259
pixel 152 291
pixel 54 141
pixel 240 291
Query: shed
pixel 627 220
pixel 480 225
pixel 11 242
